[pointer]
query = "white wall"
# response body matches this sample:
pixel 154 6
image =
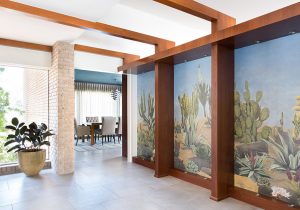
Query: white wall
pixel 24 57
pixel 93 62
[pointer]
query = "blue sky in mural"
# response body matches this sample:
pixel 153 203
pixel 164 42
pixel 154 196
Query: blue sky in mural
pixel 274 68
pixel 186 76
pixel 146 83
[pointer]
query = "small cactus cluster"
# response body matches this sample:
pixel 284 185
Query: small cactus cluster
pixel 189 108
pixel 249 117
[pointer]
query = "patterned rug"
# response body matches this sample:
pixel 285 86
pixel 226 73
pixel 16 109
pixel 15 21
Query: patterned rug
pixel 87 147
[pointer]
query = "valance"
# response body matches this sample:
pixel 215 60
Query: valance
pixel 85 86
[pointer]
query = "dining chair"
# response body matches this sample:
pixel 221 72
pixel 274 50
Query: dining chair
pixel 108 128
pixel 81 131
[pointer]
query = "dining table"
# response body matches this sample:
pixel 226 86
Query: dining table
pixel 95 125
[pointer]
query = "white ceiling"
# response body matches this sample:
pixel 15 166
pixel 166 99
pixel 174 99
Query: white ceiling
pixel 145 16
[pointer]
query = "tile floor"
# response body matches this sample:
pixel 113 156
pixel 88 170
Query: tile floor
pixel 103 180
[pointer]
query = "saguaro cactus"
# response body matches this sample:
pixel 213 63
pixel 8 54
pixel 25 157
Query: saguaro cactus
pixel 249 117
pixel 146 112
pixel 189 111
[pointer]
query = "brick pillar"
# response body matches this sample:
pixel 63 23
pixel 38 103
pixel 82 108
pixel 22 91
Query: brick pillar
pixel 61 107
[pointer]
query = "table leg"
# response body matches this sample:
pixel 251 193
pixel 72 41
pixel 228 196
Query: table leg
pixel 92 135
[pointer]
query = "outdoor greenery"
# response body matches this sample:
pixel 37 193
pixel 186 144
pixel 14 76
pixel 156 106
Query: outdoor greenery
pixel 27 138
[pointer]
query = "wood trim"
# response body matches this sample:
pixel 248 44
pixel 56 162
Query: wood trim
pixel 144 163
pixel 77 47
pixel 100 51
pixel 164 118
pixel 80 23
pixel 124 116
pixel 191 178
pixel 273 18
pixel 194 8
pixel 258 200
pixel 222 88
pixel 25 45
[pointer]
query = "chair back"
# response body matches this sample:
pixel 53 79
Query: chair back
pixel 108 125
pixel 120 126
pixel 91 119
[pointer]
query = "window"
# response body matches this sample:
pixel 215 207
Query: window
pixel 23 94
pixel 95 100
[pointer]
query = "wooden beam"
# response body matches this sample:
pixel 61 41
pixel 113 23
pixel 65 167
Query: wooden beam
pixel 127 58
pixel 194 8
pixel 270 26
pixel 84 24
pixel 100 51
pixel 25 45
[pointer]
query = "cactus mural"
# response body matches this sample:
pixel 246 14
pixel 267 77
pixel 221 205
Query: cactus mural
pixel 192 105
pixel 146 116
pixel 267 121
pixel 189 111
pixel 250 116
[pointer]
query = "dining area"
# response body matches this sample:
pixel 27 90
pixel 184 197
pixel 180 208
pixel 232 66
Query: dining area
pixel 106 130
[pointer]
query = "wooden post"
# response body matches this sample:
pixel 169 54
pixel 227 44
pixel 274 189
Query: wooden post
pixel 164 118
pixel 222 121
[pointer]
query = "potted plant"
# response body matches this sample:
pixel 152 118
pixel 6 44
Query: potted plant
pixel 27 141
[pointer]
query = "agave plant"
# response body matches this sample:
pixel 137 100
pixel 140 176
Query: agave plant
pixel 252 167
pixel 286 156
pixel 27 138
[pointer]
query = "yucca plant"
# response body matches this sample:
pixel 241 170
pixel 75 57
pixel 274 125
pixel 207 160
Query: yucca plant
pixel 252 167
pixel 286 156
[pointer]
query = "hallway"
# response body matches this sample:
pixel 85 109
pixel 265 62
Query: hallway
pixel 103 180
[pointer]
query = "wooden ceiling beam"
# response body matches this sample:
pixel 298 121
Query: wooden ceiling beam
pixel 193 8
pixel 25 45
pixel 77 47
pixel 84 24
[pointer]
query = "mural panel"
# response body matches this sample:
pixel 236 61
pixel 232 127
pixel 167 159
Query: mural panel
pixel 267 119
pixel 192 117
pixel 146 115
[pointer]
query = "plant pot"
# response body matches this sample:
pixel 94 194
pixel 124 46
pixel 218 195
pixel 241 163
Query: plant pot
pixel 31 163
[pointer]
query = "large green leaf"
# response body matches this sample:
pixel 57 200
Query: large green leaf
pixel 10 142
pixel 14 148
pixel 11 127
pixel 15 121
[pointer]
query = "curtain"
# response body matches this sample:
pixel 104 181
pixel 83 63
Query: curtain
pixel 95 100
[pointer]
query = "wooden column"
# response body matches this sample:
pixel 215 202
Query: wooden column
pixel 222 121
pixel 124 115
pixel 164 118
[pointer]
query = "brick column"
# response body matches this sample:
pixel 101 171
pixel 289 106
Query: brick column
pixel 61 107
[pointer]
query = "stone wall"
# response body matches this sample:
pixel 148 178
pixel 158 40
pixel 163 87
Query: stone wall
pixel 61 107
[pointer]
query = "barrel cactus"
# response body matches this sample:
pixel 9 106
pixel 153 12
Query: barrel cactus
pixel 249 117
